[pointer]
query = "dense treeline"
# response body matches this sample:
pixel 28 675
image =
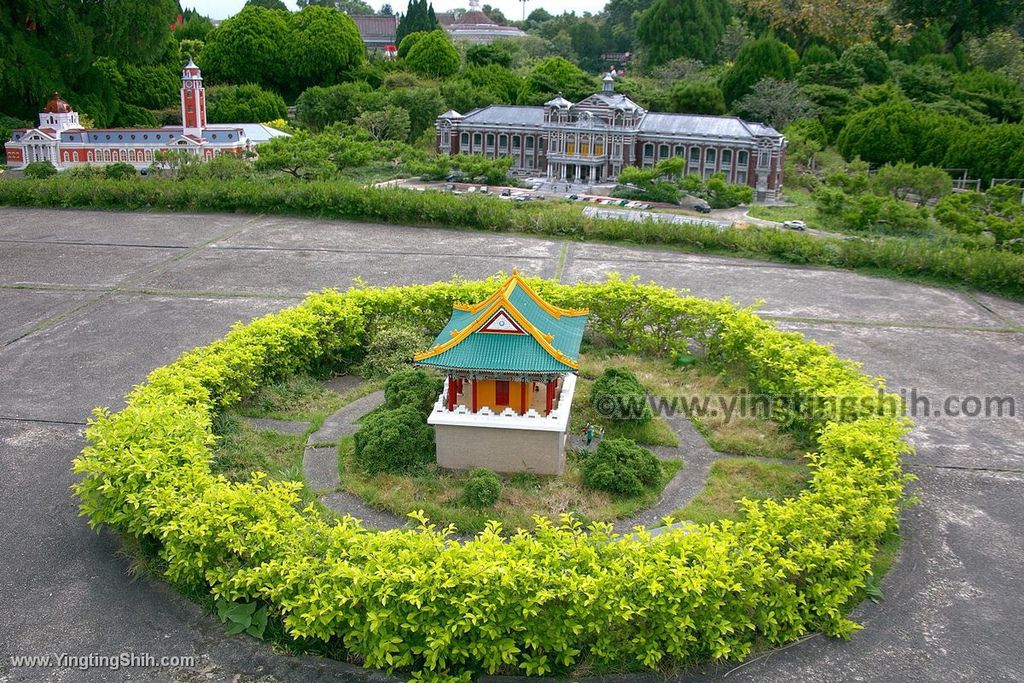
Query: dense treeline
pixel 889 80
pixel 984 269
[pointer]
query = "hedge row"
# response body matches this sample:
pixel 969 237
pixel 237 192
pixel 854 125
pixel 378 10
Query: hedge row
pixel 531 603
pixel 983 269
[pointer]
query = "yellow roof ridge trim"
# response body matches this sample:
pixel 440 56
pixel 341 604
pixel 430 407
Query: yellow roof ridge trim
pixel 515 279
pixel 501 302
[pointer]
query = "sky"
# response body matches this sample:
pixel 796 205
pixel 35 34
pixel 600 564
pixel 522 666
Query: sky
pixel 513 9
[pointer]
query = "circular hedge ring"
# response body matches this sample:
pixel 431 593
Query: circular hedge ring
pixel 531 603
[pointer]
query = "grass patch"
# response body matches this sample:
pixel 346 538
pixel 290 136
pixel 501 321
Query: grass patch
pixel 650 372
pixel 243 449
pixel 302 398
pixel 712 392
pixel 732 479
pixel 440 495
pixel 802 209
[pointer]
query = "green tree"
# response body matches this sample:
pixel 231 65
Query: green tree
pixel 196 27
pixel 683 28
pixel 412 387
pixel 777 103
pixel 324 47
pixel 390 123
pixel 346 6
pixel 418 17
pixel 960 16
pixel 697 97
pixel 250 47
pixel 554 75
pixel 268 4
pixel 993 94
pixel 902 180
pixel 120 171
pixel 434 55
pixel 483 488
pixel 406 43
pixel 870 59
pixel 395 440
pixel 40 170
pixel 247 103
pixel 759 59
pixel 318 107
pixel 482 55
pixel 889 132
pixel 620 467
pixel 300 156
pixel 835 74
pixel 422 104
pixel 924 82
pixel 817 54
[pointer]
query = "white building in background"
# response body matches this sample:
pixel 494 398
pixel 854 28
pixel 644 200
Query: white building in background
pixel 592 140
pixel 60 138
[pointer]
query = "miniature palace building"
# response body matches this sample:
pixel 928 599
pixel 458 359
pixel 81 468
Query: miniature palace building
pixel 61 139
pixel 510 363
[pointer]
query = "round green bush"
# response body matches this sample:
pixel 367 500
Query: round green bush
pixel 390 347
pixel 120 171
pixel 620 467
pixel 411 387
pixel 40 170
pixel 618 395
pixel 396 440
pixel 483 488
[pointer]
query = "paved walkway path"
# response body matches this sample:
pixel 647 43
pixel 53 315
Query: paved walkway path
pixel 320 468
pixel 91 301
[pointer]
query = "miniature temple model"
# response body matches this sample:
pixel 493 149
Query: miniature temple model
pixel 510 363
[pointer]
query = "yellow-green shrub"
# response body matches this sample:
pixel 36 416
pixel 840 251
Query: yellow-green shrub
pixel 532 603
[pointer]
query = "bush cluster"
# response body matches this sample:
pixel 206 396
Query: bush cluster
pixel 483 488
pixel 394 440
pixel 620 467
pixel 618 395
pixel 984 269
pixel 534 603
pixel 415 388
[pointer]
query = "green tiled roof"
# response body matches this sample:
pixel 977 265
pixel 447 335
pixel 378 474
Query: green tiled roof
pixel 512 353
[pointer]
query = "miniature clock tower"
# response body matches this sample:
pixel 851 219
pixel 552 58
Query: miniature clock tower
pixel 193 100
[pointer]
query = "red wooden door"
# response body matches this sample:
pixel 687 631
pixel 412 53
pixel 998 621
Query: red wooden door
pixel 501 392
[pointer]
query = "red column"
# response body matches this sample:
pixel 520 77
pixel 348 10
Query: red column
pixel 474 394
pixel 523 389
pixel 550 395
pixel 452 392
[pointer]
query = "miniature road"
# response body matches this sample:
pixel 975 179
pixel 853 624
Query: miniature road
pixel 91 301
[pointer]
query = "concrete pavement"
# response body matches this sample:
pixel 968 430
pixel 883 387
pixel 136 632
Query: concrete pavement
pixel 91 301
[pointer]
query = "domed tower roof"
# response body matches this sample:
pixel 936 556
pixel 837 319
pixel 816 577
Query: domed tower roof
pixel 190 70
pixel 57 106
pixel 558 101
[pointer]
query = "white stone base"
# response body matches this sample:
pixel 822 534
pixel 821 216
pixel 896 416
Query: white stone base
pixel 504 442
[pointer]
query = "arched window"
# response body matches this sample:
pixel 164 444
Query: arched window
pixel 648 150
pixel 726 157
pixel 465 139
pixel 679 151
pixel 695 155
pixel 741 158
pixel 663 152
pixel 711 157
